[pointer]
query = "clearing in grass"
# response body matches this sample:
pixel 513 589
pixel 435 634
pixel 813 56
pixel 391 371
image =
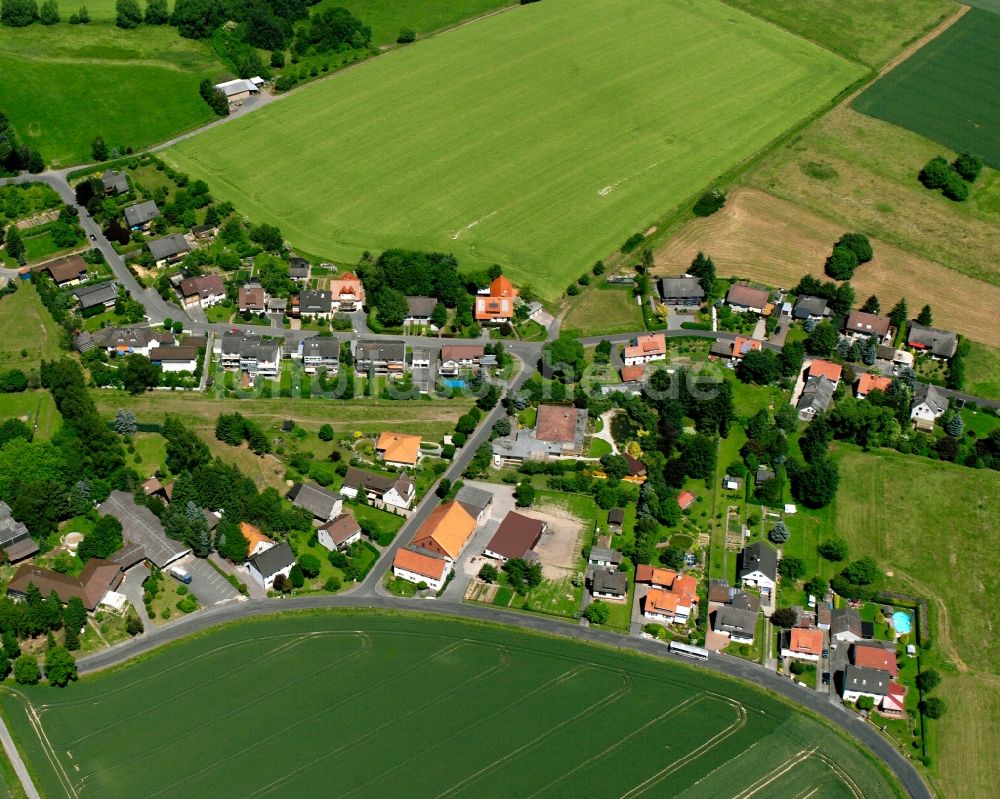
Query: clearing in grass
pixel 930 523
pixel 615 112
pixel 949 90
pixel 763 238
pixel 861 173
pixel 29 333
pixel 65 84
pixel 604 310
pixel 871 33
pixel 442 681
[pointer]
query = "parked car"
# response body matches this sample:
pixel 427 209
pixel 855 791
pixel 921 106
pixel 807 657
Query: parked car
pixel 826 653
pixel 93 237
pixel 826 678
pixel 777 330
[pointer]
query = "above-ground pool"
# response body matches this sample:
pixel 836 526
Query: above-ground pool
pixel 454 383
pixel 901 622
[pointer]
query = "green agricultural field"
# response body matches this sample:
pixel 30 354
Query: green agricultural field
pixel 868 32
pixel 949 91
pixel 388 17
pixel 355 704
pixel 64 84
pixel 931 524
pixel 613 113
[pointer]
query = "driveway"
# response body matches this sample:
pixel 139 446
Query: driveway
pixel 207 584
pixel 471 560
pixel 132 588
pixel 778 338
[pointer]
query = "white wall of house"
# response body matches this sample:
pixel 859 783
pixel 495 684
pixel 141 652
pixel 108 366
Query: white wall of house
pixel 608 597
pixel 324 538
pixel 847 635
pixel 791 653
pixel 179 366
pixel 853 696
pixel 759 580
pixel 267 581
pixel 413 577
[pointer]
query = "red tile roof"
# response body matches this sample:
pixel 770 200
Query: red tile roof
pixel 868 383
pixel 419 563
pixel 685 499
pixel 875 657
pixel 807 641
pixel 631 374
pixel 831 371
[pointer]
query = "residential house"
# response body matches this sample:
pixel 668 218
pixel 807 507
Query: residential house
pixel 421 567
pixel 759 567
pixel 141 526
pixel 67 271
pixel 822 380
pixel 204 233
pixel 340 532
pixel 939 344
pixel 868 383
pixel 134 339
pixel 516 537
pixel 476 501
pixel 802 643
pixel 421 357
pixel 381 357
pixel 731 483
pixel 742 298
pixel 807 307
pixel 616 518
pixel 559 431
pixel 672 597
pixel 680 290
pixel 686 499
pixel 636 469
pixel 894 702
pixel 604 557
pixel 859 681
pixel 762 475
pixel 860 326
pixel 456 357
pixel 420 309
pixel 631 375
pixel 845 625
pixel 320 352
pixel 154 488
pixel 202 292
pixel 277 305
pixel 609 585
pixel 929 404
pixel 252 298
pixel 298 268
pixel 96 295
pixel 114 183
pixel 876 656
pixel 396 491
pixel 738 624
pixel 15 540
pixel 238 90
pixel 645 349
pixel 175 359
pixel 347 293
pixel 446 531
pixel 322 503
pixel 265 566
pixel 314 304
pixel 498 306
pixel 250 353
pixel 141 215
pixel 398 449
pixel 257 542
pixel 169 249
pixel 98 577
pixel 824 614
pixel 735 349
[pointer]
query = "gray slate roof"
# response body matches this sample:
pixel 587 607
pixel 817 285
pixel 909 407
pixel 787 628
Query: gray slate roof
pixel 844 620
pixel 610 581
pixel 473 499
pixel 941 343
pixel 168 246
pixel 606 555
pixel 96 293
pixel 273 560
pixel 932 395
pixel 316 499
pixel 817 394
pixel 809 306
pixel 321 347
pixel 681 287
pixel 141 213
pixel 114 181
pixel 140 526
pixel 315 302
pixel 731 619
pixel 421 307
pixel 865 680
pixel 14 537
pixel 380 351
pixel 760 557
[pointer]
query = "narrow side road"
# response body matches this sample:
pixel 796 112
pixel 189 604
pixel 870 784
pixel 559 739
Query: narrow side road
pixel 15 760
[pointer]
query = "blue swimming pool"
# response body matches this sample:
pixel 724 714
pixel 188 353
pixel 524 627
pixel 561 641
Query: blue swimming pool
pixel 454 383
pixel 901 622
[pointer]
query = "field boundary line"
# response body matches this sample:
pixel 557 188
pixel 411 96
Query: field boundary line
pixel 303 720
pixel 623 691
pixel 557 680
pixel 50 752
pixel 694 754
pixel 846 778
pixel 621 742
pixel 782 768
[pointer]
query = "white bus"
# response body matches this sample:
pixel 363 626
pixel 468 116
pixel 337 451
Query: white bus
pixel 694 652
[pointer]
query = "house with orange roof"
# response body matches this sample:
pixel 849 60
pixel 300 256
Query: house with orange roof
pixel 674 596
pixel 398 449
pixel 737 348
pixel 826 369
pixel 497 306
pixel 421 567
pixel 446 531
pixel 868 383
pixel 685 499
pixel 644 349
pixel 803 643
pixel 633 374
pixel 873 656
pixel 347 293
pixel 257 542
pixel 660 606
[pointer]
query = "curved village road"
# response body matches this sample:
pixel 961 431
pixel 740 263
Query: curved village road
pixel 722 664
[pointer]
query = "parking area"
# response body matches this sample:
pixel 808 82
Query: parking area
pixel 471 560
pixel 207 584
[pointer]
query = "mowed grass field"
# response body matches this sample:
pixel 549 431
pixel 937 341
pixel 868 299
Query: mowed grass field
pixel 611 113
pixel 761 237
pixel 361 705
pixel 949 90
pixel 861 173
pixel 64 84
pixel 27 328
pixel 871 33
pixel 932 524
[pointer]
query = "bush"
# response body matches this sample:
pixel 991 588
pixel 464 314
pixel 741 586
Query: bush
pixel 968 166
pixel 933 707
pixel 632 242
pixel 597 612
pixel 406 36
pixel 955 188
pixel 332 584
pixel 572 290
pixel 797 667
pixel 277 59
pixel 309 564
pixel 841 263
pixel 858 244
pixel 935 173
pixel 709 203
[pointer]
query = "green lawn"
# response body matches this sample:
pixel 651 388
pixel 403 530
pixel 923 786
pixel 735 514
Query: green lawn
pixel 859 29
pixel 598 447
pixel 27 328
pixel 444 682
pixel 150 453
pixel 982 371
pixel 949 91
pixel 33 407
pixel 64 84
pixel 604 310
pixel 607 119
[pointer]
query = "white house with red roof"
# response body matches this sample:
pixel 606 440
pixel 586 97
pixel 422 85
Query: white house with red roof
pixel 645 349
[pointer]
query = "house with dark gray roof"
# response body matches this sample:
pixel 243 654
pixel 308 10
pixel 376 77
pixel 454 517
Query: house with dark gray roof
pixel 114 183
pixel 739 624
pixel 610 585
pixel 860 681
pixel 168 249
pixel 298 268
pixel 939 344
pixel 807 307
pixel 759 567
pixel 141 526
pixel 382 357
pixel 140 215
pixel 321 502
pixel 420 308
pixel 318 304
pixel 14 537
pixel 396 491
pixel 320 352
pixel 475 500
pixel 929 404
pixel 604 557
pixel 816 396
pixel 96 294
pixel 680 290
pixel 845 624
pixel 265 566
